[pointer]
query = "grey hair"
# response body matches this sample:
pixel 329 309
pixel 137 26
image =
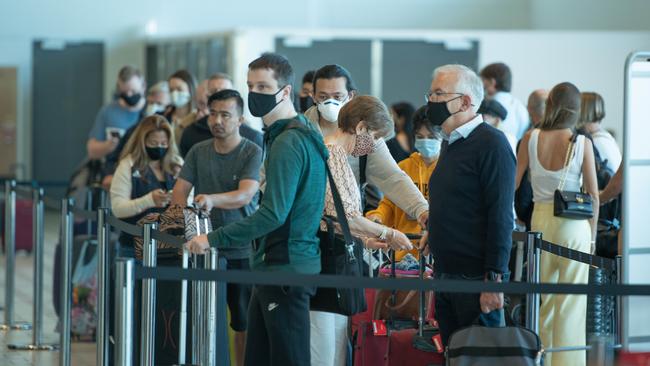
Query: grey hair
pixel 467 82
pixel 159 87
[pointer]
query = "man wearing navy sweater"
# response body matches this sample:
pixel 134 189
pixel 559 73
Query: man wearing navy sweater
pixel 470 201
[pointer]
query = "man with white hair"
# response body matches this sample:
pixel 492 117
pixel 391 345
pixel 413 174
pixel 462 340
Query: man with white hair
pixel 470 200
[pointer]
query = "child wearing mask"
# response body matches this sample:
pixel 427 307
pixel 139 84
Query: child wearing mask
pixel 419 167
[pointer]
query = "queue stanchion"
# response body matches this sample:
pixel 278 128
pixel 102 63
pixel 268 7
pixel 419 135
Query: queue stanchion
pixel 148 322
pixel 103 289
pixel 619 323
pixel 533 275
pixel 197 300
pixel 182 336
pixel 124 282
pixel 67 225
pixel 10 259
pixel 39 239
pixel 210 311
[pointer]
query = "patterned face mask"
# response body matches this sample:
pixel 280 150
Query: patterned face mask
pixel 364 144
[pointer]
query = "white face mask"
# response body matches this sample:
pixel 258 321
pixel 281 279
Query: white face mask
pixel 153 109
pixel 180 98
pixel 330 108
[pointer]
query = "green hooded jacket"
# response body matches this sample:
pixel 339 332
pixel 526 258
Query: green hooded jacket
pixel 287 221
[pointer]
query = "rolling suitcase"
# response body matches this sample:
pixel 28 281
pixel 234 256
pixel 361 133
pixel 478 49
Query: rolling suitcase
pixel 421 346
pixel 24 225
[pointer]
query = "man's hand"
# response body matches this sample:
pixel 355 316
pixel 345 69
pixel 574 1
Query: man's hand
pixel 423 220
pixel 490 301
pixel 198 245
pixel 204 202
pixel 111 144
pixel 424 243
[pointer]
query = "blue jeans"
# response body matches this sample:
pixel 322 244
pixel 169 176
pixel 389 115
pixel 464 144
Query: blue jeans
pixel 459 310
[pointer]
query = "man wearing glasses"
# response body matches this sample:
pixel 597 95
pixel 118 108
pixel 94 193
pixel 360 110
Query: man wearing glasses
pixel 471 194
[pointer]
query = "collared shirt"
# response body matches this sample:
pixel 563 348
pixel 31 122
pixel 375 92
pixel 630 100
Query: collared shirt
pixel 464 130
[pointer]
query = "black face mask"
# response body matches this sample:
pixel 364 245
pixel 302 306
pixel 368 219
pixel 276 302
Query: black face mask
pixel 305 103
pixel 262 104
pixel 156 153
pixel 131 100
pixel 438 113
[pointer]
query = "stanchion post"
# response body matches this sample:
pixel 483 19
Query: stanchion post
pixel 38 239
pixel 124 281
pixel 182 336
pixel 38 213
pixel 196 314
pixel 10 259
pixel 619 323
pixel 67 221
pixel 532 300
pixel 147 334
pixel 210 306
pixel 103 289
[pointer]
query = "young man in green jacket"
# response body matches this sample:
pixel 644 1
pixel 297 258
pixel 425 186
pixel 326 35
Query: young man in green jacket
pixel 287 221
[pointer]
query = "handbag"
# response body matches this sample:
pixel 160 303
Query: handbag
pixel 401 305
pixel 568 204
pixel 185 222
pixel 340 255
pixel 477 346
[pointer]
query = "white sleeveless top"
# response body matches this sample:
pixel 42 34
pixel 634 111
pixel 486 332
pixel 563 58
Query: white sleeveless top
pixel 545 182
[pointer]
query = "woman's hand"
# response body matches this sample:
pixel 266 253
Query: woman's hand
pixel 160 198
pixel 398 241
pixel 198 245
pixel 373 243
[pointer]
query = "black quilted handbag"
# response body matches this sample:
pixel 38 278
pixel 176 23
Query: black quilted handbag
pixel 571 205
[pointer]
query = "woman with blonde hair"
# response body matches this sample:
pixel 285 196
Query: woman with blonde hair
pixel 145 175
pixel 592 113
pixel 558 158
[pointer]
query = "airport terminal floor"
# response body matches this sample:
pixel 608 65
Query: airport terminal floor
pixel 83 353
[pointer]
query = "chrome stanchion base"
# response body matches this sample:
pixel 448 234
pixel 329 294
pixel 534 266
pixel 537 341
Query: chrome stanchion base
pixel 33 347
pixel 16 326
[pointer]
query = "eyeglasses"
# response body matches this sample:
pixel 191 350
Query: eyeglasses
pixel 438 94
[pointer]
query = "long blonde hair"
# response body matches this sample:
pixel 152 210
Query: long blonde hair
pixel 136 146
pixel 593 108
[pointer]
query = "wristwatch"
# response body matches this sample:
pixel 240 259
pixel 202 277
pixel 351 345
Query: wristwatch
pixel 492 276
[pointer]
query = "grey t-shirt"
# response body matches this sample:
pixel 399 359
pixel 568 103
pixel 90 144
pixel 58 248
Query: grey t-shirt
pixel 211 172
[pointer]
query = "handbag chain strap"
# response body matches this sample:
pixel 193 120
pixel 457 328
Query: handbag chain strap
pixel 569 152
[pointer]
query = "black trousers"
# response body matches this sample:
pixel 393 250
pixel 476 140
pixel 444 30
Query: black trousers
pixel 278 326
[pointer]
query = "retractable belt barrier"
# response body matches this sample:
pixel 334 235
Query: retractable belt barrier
pixel 533 242
pixel 578 256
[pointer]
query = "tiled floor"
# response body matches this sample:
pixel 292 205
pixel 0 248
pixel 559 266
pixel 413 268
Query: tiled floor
pixel 82 353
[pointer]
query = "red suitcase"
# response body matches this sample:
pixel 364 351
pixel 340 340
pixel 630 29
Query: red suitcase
pixel 24 225
pixel 369 350
pixel 401 351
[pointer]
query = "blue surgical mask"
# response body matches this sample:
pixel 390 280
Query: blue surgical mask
pixel 428 148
